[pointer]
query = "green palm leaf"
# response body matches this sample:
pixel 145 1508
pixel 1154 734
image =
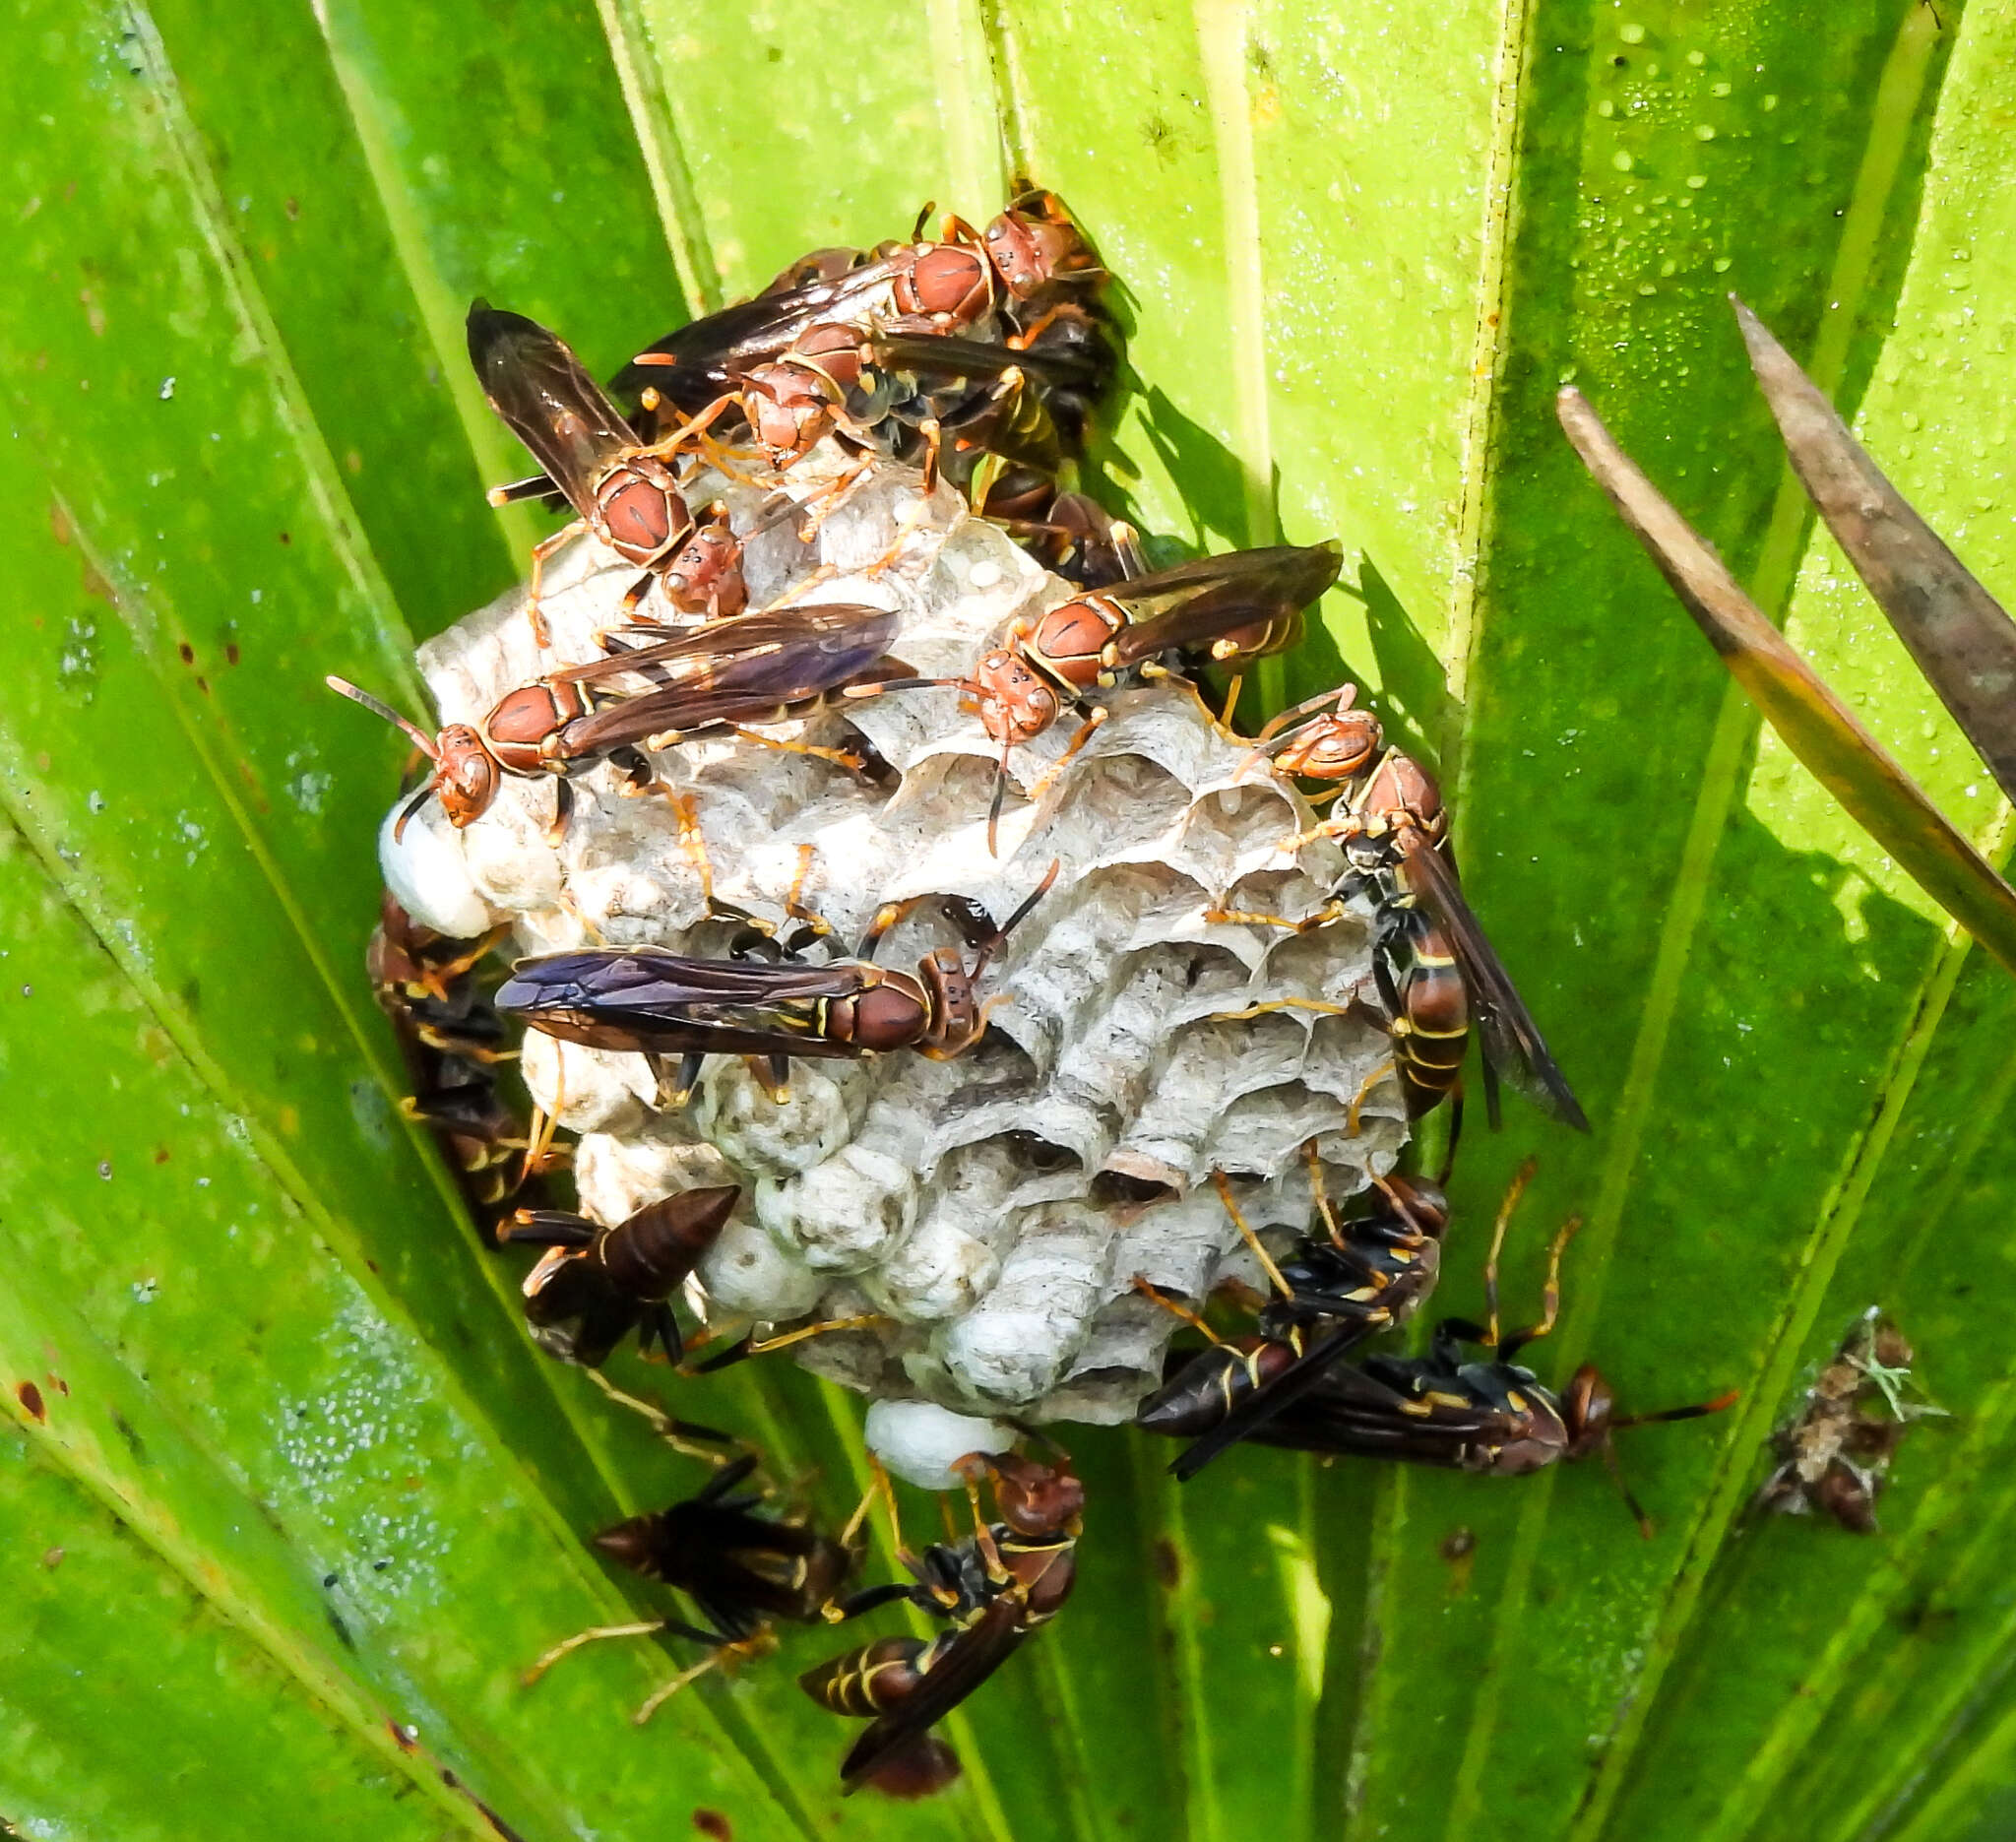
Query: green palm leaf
pixel 294 1501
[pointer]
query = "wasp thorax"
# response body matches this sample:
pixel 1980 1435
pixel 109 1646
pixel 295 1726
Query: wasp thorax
pixel 1071 640
pixel 947 281
pixel 790 406
pixel 464 774
pixel 1335 747
pixel 890 1015
pixel 834 350
pixel 1402 791
pixel 640 516
pixel 1033 1498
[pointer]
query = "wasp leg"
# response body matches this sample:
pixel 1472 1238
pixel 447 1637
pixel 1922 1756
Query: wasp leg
pixel 1328 912
pixel 1222 1184
pixel 1550 1295
pixel 1151 1291
pixel 1047 777
pixel 540 550
pixel 1357 1101
pixel 679 1434
pixel 1319 1190
pixel 839 757
pixel 1517 1188
pixel 1286 1003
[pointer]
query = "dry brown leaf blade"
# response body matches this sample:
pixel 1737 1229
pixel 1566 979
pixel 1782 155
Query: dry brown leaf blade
pixel 1813 723
pixel 1960 635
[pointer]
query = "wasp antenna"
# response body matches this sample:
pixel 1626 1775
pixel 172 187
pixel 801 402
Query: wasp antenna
pixel 995 803
pixel 406 813
pixel 345 689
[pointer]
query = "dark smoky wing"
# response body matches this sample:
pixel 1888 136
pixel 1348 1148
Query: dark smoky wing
pixel 1196 602
pixel 976 358
pixel 1512 1041
pixel 549 401
pixel 1260 1407
pixel 714 352
pixel 962 1667
pixel 747 685
pixel 758 649
pixel 1355 1413
pixel 673 984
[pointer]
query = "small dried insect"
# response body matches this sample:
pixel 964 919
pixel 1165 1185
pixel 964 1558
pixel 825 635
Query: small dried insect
pixel 1835 1455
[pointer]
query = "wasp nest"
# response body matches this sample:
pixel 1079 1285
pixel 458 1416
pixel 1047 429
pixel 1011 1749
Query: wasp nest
pixel 991 1211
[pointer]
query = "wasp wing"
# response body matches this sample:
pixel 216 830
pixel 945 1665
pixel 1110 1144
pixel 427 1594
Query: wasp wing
pixel 792 660
pixel 1196 602
pixel 960 1668
pixel 708 356
pixel 546 396
pixel 1264 1402
pixel 977 357
pixel 666 1003
pixel 805 636
pixel 1355 1411
pixel 1512 1043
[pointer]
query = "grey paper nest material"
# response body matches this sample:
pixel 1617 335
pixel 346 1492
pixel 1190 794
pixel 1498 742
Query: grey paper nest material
pixel 993 1208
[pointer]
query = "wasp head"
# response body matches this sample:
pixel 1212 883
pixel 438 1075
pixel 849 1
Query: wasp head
pixel 466 774
pixel 1015 704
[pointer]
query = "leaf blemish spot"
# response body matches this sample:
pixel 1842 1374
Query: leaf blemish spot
pixel 30 1397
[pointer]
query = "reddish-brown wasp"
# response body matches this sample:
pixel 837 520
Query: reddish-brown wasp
pixel 1435 968
pixel 1227 609
pixel 622 489
pixel 993 1589
pixel 596 1285
pixel 752 669
pixel 773 1007
pixel 945 286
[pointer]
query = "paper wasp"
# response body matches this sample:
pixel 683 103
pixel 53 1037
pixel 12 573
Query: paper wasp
pixel 768 1004
pixel 453 1040
pixel 741 1570
pixel 751 669
pixel 1227 609
pixel 993 1589
pixel 596 1285
pixel 622 489
pixel 1491 1415
pixel 1030 251
pixel 1436 969
pixel 1361 1275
